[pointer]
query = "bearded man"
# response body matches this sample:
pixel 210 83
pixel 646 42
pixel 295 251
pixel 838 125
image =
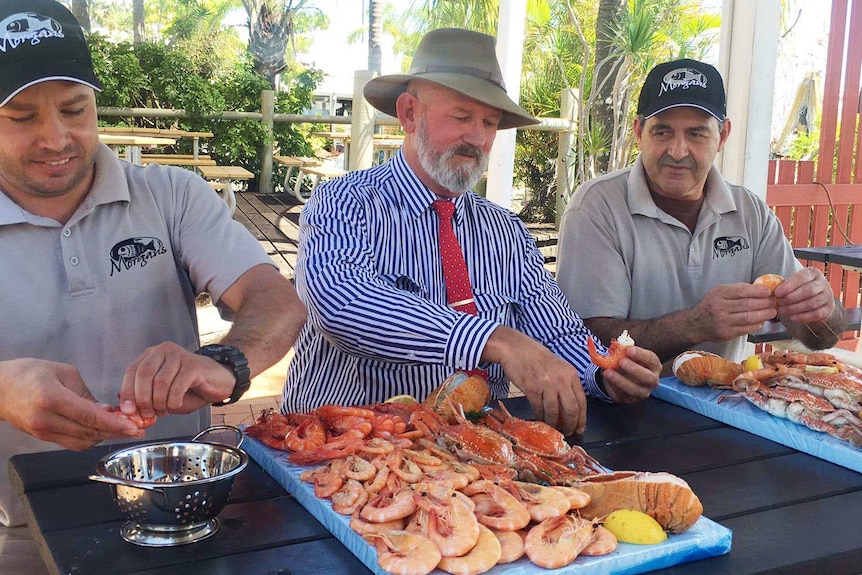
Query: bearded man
pixel 382 254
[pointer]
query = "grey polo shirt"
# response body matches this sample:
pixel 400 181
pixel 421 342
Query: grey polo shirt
pixel 120 276
pixel 620 256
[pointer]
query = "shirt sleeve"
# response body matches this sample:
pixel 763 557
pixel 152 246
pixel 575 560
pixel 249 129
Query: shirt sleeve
pixel 357 310
pixel 545 316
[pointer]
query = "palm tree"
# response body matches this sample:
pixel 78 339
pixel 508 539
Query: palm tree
pixel 81 11
pixel 375 32
pixel 138 21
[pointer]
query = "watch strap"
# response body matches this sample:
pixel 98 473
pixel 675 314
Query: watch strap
pixel 231 357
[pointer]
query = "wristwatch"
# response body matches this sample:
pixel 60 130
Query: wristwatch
pixel 233 358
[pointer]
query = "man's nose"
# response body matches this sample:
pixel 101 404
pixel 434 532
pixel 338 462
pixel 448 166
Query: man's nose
pixel 476 134
pixel 53 133
pixel 678 148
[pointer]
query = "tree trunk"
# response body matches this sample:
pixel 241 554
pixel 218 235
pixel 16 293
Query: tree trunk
pixel 138 22
pixel 603 111
pixel 375 31
pixel 81 11
pixel 269 32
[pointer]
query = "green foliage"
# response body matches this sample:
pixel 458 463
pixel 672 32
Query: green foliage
pixel 155 75
pixel 805 145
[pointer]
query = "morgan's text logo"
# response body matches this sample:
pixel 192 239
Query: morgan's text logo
pixel 682 78
pixel 27 27
pixel 728 246
pixel 135 252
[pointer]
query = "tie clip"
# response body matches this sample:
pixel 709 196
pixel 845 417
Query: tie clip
pixel 462 302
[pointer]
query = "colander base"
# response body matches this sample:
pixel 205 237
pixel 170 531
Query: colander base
pixel 139 535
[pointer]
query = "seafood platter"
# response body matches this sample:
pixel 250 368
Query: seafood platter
pixel 808 401
pixel 453 486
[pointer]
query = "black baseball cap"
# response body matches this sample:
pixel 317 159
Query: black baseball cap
pixel 683 82
pixel 40 40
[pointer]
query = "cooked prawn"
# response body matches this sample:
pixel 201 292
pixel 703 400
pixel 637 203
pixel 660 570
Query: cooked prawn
pixel 511 544
pixel 349 498
pixel 367 527
pixel 616 351
pixel 448 518
pixel 577 499
pixel 327 479
pixel 403 553
pixel 603 542
pixel 496 507
pixel 387 505
pixel 358 468
pixel 542 502
pixel 555 542
pixel 484 555
pixel 139 420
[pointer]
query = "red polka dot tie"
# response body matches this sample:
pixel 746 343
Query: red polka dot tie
pixel 459 292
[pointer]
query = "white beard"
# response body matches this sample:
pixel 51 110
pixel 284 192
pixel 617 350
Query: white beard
pixel 455 177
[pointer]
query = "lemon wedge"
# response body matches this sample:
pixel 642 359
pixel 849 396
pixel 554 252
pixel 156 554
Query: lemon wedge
pixel 630 526
pixel 406 399
pixel 752 362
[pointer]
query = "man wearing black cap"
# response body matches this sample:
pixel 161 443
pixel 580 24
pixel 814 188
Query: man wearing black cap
pixel 669 250
pixel 373 262
pixel 101 262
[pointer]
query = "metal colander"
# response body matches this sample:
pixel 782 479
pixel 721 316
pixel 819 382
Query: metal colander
pixel 172 492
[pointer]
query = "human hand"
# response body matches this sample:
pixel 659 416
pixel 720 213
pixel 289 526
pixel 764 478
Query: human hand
pixel 635 377
pixel 550 384
pixel 168 378
pixel 50 401
pixel 805 297
pixel 731 310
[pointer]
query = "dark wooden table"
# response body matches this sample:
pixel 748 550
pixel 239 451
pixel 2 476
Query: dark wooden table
pixel 789 512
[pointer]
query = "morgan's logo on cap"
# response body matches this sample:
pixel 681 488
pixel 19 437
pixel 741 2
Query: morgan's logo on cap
pixel 27 27
pixel 682 78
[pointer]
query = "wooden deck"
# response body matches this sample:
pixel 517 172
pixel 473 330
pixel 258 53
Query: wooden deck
pixel 274 220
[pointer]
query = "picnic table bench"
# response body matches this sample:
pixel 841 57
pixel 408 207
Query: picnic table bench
pixel 222 177
pixel 307 167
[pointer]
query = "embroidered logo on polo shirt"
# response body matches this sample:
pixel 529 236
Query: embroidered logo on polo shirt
pixel 135 252
pixel 728 246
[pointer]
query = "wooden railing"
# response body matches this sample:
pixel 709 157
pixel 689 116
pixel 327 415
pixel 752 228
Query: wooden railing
pixel 815 214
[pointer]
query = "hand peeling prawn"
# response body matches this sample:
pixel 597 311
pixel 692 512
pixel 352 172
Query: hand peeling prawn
pixel 616 351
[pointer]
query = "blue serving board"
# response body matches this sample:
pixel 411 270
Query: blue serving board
pixel 705 539
pixel 740 413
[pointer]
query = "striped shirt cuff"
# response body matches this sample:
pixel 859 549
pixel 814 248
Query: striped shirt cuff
pixel 591 386
pixel 467 341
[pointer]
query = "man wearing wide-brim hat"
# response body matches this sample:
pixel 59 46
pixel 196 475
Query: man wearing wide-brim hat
pixel 383 252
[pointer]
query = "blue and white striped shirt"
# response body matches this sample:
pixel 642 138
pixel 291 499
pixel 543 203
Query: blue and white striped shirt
pixel 378 324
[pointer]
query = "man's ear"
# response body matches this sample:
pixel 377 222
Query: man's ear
pixel 638 128
pixel 722 136
pixel 406 106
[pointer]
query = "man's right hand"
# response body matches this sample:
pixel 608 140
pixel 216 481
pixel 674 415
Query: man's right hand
pixel 551 384
pixel 731 310
pixel 50 401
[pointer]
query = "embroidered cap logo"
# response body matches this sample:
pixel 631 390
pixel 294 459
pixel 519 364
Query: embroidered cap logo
pixel 682 78
pixel 27 27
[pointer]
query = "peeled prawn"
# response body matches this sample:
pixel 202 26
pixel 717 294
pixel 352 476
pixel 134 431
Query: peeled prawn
pixel 616 351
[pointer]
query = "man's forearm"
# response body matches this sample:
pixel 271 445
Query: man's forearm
pixel 666 336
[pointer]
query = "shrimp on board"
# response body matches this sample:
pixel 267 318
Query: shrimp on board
pixel 616 351
pixel 403 553
pixel 511 544
pixel 555 542
pixel 484 555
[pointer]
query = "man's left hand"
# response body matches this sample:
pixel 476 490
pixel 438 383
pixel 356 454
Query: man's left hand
pixel 168 378
pixel 635 377
pixel 805 297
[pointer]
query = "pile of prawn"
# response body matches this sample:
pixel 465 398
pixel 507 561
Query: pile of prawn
pixel 428 494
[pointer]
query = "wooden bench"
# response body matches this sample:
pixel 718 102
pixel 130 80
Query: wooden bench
pixel 775 330
pixel 317 174
pixel 169 161
pixel 222 178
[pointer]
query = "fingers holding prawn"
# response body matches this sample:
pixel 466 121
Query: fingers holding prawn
pixel 635 377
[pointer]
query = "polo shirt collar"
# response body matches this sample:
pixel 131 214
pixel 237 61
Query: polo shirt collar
pixel 718 199
pixel 414 194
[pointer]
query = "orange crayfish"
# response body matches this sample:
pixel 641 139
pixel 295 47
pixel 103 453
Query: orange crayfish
pixel 616 351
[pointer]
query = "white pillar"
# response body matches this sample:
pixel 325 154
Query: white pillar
pixel 747 62
pixel 510 51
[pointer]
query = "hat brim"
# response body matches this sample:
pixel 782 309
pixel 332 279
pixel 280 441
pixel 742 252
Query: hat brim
pixel 699 105
pixel 26 76
pixel 381 92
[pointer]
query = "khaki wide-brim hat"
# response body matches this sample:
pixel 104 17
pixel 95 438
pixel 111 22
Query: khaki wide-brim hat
pixel 462 60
